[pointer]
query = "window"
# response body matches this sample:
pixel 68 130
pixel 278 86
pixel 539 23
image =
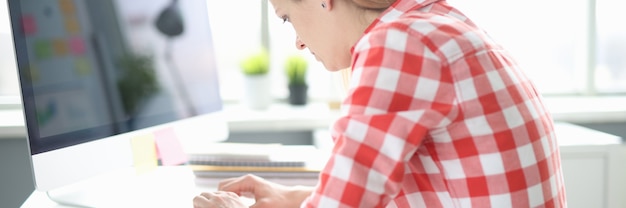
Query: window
pixel 8 72
pixel 237 35
pixel 566 47
pixel 611 47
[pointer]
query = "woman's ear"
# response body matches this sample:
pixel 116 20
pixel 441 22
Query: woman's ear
pixel 327 4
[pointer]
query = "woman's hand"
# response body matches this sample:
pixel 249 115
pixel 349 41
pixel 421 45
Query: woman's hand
pixel 266 194
pixel 218 199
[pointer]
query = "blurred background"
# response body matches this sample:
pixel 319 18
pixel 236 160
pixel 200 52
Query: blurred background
pixel 574 51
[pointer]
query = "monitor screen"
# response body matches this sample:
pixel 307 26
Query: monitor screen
pixel 95 73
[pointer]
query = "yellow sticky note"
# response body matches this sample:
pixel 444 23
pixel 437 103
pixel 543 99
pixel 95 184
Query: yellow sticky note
pixel 144 153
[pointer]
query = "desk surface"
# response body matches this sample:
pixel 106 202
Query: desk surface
pixel 164 187
pixel 178 185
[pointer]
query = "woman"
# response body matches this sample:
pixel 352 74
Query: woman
pixel 437 114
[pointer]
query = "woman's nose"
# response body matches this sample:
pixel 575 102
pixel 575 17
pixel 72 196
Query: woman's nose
pixel 299 44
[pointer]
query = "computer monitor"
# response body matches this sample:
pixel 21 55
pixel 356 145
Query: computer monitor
pixel 94 75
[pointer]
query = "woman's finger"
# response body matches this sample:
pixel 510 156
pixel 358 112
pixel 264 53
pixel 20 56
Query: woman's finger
pixel 238 185
pixel 200 201
pixel 207 195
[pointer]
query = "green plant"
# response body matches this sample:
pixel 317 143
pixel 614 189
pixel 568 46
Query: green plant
pixel 256 64
pixel 295 68
pixel 137 81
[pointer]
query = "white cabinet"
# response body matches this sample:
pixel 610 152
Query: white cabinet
pixel 594 167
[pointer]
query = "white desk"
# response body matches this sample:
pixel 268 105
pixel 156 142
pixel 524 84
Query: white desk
pixel 593 165
pixel 165 187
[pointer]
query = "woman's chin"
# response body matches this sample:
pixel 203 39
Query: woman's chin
pixel 330 68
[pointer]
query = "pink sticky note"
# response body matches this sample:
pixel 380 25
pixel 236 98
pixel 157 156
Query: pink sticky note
pixel 169 148
pixel 29 26
pixel 77 45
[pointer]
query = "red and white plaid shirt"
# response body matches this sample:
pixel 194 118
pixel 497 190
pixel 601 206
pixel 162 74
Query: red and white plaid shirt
pixel 438 115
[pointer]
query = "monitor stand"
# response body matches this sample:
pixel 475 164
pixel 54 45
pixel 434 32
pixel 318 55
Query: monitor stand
pixel 164 186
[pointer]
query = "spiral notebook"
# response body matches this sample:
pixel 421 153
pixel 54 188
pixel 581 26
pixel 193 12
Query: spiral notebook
pixel 238 162
pixel 233 159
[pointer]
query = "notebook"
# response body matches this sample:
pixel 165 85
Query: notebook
pixel 266 160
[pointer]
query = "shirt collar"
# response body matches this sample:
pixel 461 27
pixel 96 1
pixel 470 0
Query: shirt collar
pixel 396 10
pixel 399 8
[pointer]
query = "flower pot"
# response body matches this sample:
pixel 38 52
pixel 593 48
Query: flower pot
pixel 257 94
pixel 298 94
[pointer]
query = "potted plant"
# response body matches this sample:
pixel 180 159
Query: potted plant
pixel 137 83
pixel 295 68
pixel 255 68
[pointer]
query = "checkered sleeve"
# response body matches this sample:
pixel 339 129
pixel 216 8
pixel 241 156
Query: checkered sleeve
pixel 390 108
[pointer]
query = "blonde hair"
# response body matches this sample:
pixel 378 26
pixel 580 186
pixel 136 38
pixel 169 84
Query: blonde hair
pixel 374 4
pixel 345 77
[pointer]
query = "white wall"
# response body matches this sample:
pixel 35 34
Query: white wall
pixel 8 78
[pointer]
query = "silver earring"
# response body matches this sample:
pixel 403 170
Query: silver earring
pixel 323 4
